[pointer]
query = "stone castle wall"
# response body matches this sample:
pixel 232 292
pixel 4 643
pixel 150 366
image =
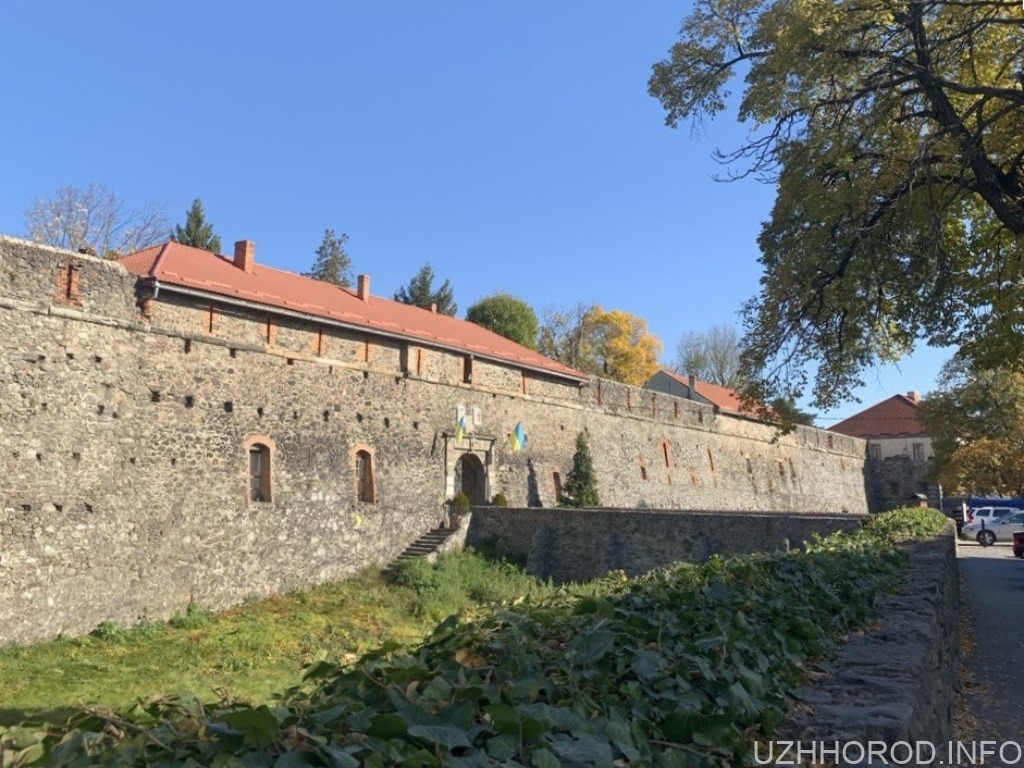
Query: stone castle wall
pixel 126 419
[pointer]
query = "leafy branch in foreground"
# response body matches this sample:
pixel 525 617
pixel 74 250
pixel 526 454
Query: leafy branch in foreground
pixel 683 666
pixel 893 130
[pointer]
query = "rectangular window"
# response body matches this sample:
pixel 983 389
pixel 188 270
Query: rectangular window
pixel 467 370
pixel 918 451
pixel 875 452
pixel 259 473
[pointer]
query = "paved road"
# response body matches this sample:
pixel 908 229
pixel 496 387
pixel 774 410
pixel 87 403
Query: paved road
pixel 993 591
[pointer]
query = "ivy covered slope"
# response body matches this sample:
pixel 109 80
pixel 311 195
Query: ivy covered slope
pixel 685 666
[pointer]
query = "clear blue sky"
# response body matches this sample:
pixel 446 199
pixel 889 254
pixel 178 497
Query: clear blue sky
pixel 511 145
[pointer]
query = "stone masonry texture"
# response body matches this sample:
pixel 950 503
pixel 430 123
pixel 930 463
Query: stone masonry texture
pixel 126 421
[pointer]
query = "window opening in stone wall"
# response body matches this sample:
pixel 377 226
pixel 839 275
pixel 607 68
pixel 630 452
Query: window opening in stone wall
pixel 228 406
pixel 750 466
pixel 711 460
pixel 467 370
pixel 364 477
pixel 259 472
pixel 918 451
pixel 668 457
pixel 522 381
pixel 643 472
pixel 190 401
pixel 875 452
pixel 675 409
pixel 629 400
pixel 367 351
pixel 828 441
pixel 419 361
pixel 320 342
pixel 210 316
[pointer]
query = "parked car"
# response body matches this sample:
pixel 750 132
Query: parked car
pixel 1018 543
pixel 988 531
pixel 988 514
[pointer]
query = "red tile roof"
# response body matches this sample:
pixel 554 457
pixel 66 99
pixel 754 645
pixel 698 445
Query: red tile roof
pixel 173 264
pixel 895 417
pixel 723 397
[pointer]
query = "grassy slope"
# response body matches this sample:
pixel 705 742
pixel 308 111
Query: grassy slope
pixel 248 652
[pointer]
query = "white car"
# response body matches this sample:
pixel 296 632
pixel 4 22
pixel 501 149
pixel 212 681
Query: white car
pixel 988 531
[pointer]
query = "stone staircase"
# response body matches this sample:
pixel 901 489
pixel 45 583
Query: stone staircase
pixel 427 544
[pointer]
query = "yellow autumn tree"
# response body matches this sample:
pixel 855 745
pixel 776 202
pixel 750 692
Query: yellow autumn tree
pixel 624 349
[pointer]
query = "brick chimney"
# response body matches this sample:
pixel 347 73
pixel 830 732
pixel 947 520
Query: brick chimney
pixel 433 308
pixel 913 397
pixel 363 289
pixel 245 255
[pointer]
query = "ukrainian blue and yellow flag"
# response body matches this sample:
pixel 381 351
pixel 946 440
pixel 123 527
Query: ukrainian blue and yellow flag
pixel 517 438
pixel 460 427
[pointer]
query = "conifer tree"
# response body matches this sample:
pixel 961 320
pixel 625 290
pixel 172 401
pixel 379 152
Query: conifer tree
pixel 420 293
pixel 333 264
pixel 197 232
pixel 581 484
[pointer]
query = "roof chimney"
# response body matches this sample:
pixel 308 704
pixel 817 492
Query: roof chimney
pixel 433 308
pixel 913 396
pixel 363 290
pixel 245 255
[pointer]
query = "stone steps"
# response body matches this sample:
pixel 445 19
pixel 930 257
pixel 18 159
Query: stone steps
pixel 425 545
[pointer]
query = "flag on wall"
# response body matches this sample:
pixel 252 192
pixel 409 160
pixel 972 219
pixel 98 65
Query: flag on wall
pixel 460 421
pixel 517 438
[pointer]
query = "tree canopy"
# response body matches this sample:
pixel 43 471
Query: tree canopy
pixel 508 316
pixel 893 129
pixel 95 220
pixel 420 292
pixel 332 264
pixel 976 422
pixel 613 344
pixel 197 232
pixel 712 356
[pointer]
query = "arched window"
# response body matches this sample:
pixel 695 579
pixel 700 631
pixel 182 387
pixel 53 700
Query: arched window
pixel 364 477
pixel 259 472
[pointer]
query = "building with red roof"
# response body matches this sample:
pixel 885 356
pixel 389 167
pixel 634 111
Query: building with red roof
pixel 173 268
pixel 899 450
pixel 691 388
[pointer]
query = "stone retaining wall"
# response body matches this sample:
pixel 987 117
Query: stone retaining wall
pixel 580 544
pixel 897 683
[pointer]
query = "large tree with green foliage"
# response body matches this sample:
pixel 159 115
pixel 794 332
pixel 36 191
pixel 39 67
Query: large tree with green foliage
pixel 976 422
pixel 197 232
pixel 332 264
pixel 507 316
pixel 894 130
pixel 420 293
pixel 581 483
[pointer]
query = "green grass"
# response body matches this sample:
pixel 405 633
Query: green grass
pixel 250 652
